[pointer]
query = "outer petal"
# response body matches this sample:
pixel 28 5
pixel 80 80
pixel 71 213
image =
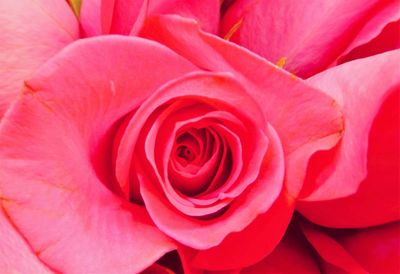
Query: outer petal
pixel 331 251
pixel 206 12
pixel 306 35
pixel 292 255
pixel 245 248
pixel 16 255
pixel 31 32
pixel 120 16
pixel 362 87
pixel 377 248
pixel 305 119
pixel 58 135
pixel 388 39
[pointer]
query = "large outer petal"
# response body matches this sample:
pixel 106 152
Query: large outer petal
pixel 330 251
pixel 16 255
pixel 369 152
pixel 246 247
pixel 376 248
pixel 292 255
pixel 306 120
pixel 307 35
pixel 31 31
pixel 51 178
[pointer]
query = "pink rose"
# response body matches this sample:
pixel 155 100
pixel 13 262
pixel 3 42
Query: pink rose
pixel 121 149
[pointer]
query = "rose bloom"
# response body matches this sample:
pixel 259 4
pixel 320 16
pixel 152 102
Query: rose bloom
pixel 154 145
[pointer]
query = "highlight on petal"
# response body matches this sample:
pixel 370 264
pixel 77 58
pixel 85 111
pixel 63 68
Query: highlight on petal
pixel 368 90
pixel 59 133
pixel 305 119
pixel 311 34
pixel 31 33
pixel 16 255
pixel 189 122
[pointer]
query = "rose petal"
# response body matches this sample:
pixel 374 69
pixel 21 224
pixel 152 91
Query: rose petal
pixel 245 248
pixel 189 230
pixel 306 36
pixel 31 32
pixel 360 87
pixel 305 119
pixel 16 255
pixel 331 251
pixel 387 40
pixel 60 202
pixel 206 12
pixel 377 248
pixel 292 255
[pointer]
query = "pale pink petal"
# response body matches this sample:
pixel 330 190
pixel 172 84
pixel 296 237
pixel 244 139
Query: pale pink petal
pixel 360 87
pixel 306 120
pixel 16 256
pixel 60 134
pixel 306 36
pixel 31 32
pixel 90 18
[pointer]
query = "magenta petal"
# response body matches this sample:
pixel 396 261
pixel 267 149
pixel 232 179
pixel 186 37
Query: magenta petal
pixel 250 245
pixel 31 32
pixel 53 133
pixel 292 255
pixel 376 248
pixel 306 119
pixel 306 36
pixel 360 87
pixel 330 250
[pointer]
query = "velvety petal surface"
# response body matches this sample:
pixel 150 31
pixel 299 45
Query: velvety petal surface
pixel 246 247
pixel 305 119
pixel 366 163
pixel 306 36
pixel 58 133
pixel 330 251
pixel 16 256
pixel 292 255
pixel 31 32
pixel 376 248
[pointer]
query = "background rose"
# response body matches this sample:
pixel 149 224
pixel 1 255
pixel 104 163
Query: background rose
pixel 331 80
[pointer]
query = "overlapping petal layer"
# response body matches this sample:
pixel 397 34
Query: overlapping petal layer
pixel 58 134
pixel 306 37
pixel 306 120
pixel 366 163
